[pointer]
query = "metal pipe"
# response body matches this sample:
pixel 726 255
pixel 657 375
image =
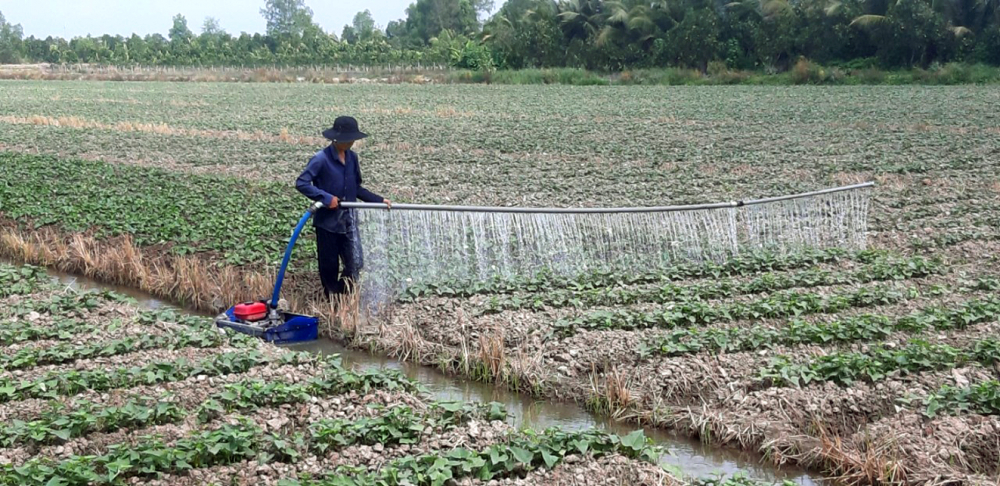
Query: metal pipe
pixel 501 209
pixel 650 209
pixel 807 194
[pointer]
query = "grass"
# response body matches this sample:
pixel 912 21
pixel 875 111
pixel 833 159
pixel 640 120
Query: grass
pixel 610 392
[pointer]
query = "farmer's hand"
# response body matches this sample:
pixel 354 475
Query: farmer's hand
pixel 334 202
pixel 388 203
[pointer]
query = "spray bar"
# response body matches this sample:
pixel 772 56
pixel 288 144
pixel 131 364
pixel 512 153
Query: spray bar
pixel 650 209
pixel 806 194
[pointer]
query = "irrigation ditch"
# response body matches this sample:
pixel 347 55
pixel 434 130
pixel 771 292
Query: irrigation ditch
pixel 686 455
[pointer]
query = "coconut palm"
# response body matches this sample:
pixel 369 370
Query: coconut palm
pixel 628 20
pixel 642 21
pixel 580 19
pixel 758 9
pixel 876 13
pixel 965 17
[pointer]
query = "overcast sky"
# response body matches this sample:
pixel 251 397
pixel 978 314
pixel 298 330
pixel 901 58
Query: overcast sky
pixel 69 18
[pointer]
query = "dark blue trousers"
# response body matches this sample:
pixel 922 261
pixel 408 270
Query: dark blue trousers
pixel 331 249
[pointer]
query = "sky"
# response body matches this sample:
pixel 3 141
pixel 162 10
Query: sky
pixel 70 18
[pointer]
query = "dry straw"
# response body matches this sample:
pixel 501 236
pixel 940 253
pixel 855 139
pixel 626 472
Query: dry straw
pixel 193 282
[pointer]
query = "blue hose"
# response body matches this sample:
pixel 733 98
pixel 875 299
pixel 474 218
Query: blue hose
pixel 288 252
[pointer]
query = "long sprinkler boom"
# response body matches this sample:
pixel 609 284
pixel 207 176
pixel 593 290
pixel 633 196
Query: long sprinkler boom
pixel 639 209
pixel 426 244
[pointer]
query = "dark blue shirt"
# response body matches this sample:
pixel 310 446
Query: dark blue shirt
pixel 324 177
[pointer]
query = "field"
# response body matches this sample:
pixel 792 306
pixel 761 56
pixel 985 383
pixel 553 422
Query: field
pixel 874 366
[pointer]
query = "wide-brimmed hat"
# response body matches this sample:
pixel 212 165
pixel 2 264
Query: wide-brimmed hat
pixel 344 129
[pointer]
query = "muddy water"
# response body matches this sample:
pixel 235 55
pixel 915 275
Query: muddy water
pixel 692 457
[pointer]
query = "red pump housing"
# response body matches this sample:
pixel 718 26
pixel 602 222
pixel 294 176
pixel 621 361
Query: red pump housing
pixel 250 311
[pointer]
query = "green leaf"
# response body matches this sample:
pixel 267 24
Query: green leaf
pixel 635 440
pixel 452 406
pixel 56 481
pixel 496 457
pixel 521 455
pixel 549 459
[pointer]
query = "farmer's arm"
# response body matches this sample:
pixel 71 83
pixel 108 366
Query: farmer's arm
pixel 366 195
pixel 305 186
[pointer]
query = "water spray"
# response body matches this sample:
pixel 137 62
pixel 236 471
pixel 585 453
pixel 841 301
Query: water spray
pixel 426 244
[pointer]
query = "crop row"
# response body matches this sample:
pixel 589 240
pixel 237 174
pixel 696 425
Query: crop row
pixel 865 327
pixel 66 352
pixel 71 382
pixel 508 459
pixel 58 424
pixel 399 426
pixel 981 398
pixel 225 445
pixel 62 304
pixel 946 209
pixel 946 239
pixel 231 443
pixel 847 368
pixel 153 316
pixel 959 216
pixel 252 393
pixel 75 195
pixel 60 328
pixel 20 280
pixel 65 325
pixel 545 280
pixel 778 305
pixel 879 270
pixel 913 200
pixel 988 284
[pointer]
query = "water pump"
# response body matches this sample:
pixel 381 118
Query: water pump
pixel 264 319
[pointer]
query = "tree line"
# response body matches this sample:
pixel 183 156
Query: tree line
pixel 599 35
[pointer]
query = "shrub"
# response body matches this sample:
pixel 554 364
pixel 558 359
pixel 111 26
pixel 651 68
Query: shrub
pixel 808 72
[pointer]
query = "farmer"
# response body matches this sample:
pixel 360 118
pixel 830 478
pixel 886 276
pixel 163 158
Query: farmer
pixel 332 176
